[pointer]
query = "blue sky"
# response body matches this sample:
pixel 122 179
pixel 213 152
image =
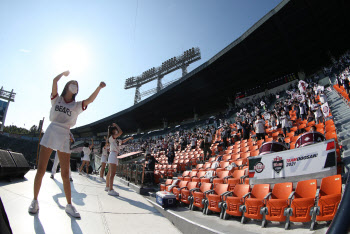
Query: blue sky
pixel 106 40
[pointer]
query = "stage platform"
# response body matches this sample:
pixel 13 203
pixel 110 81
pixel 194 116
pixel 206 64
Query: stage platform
pixel 100 213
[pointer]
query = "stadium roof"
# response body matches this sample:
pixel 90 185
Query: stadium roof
pixel 294 36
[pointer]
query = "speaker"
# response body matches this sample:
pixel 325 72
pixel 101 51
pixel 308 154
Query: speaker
pixel 12 164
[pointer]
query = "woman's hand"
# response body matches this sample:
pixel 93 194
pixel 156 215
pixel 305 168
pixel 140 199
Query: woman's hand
pixel 66 73
pixel 102 85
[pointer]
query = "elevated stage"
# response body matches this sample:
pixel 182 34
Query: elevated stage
pixel 100 213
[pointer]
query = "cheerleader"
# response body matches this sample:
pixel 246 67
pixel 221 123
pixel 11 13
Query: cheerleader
pixel 86 159
pixel 104 149
pixel 63 115
pixel 115 145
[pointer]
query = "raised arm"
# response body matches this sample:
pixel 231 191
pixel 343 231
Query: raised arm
pixel 92 143
pixel 54 83
pixel 127 139
pixel 94 94
pixel 120 132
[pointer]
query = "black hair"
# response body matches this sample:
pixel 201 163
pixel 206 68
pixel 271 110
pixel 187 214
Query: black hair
pixel 86 144
pixel 103 143
pixel 66 88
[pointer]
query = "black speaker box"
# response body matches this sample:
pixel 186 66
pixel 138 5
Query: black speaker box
pixel 12 165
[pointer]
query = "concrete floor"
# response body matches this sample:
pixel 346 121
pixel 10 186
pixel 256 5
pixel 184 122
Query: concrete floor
pixel 100 213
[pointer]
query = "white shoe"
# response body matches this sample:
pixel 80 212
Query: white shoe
pixel 70 209
pixel 102 179
pixel 34 207
pixel 106 189
pixel 113 193
pixel 80 173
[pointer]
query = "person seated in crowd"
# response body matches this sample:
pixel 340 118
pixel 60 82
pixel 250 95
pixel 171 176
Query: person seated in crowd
pixel 317 111
pixel 313 129
pixel 150 165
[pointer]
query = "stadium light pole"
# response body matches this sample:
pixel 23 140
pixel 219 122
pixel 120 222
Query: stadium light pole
pixel 157 73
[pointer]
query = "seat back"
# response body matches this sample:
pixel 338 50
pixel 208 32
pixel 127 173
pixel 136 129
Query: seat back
pixel 306 189
pixel 191 185
pixel 240 190
pixel 224 164
pixel 220 188
pixel 193 173
pixel 222 174
pixel 282 190
pixel 199 166
pixel 186 173
pixel 238 173
pixel 205 187
pixel 260 191
pixel 169 181
pixel 207 165
pixel 183 183
pixel 331 185
pixel 201 174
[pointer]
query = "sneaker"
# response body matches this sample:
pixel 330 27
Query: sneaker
pixel 70 209
pixel 70 179
pixel 52 177
pixel 80 173
pixel 34 207
pixel 106 189
pixel 113 193
pixel 102 179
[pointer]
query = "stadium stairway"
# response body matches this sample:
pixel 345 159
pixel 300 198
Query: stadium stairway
pixel 341 114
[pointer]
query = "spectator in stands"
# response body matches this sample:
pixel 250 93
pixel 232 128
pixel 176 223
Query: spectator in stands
pixel 310 116
pixel 302 109
pixel 171 155
pixel 273 120
pixel 317 111
pixel 149 167
pixel 313 129
pixel 323 97
pixel 56 136
pixel 285 122
pixel 193 141
pixel 239 126
pixel 246 130
pixel 260 128
pixel 206 149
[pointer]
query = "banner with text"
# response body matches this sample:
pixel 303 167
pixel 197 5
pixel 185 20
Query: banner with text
pixel 292 165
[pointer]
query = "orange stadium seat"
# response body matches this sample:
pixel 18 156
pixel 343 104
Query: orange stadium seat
pixel 214 198
pixel 234 200
pixel 177 190
pixel 254 202
pixel 276 202
pixel 198 195
pixel 301 202
pixel 186 192
pixel 167 183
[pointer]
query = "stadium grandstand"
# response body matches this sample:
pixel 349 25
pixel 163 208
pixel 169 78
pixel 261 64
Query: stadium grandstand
pixel 254 140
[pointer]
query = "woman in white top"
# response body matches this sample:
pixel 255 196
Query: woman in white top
pixel 115 145
pixel 86 159
pixel 63 115
pixel 104 157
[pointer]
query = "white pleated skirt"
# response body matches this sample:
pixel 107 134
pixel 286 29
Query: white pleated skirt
pixel 56 137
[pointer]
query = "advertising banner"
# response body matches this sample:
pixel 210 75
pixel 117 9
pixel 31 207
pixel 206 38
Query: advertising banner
pixel 312 161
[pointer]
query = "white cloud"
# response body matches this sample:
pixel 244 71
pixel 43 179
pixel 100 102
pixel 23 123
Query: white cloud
pixel 24 51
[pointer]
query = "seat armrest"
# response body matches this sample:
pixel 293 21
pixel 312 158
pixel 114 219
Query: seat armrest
pixel 182 188
pixel 228 194
pixel 317 196
pixel 245 196
pixel 291 195
pixel 267 195
pixel 209 191
pixel 226 177
pixel 224 194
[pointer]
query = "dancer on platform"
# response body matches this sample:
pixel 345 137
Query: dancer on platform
pixel 114 132
pixel 86 159
pixel 63 115
pixel 56 161
pixel 104 149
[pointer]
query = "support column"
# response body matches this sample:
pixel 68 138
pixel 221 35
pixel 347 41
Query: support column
pixel 137 95
pixel 5 112
pixel 159 83
pixel 184 70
